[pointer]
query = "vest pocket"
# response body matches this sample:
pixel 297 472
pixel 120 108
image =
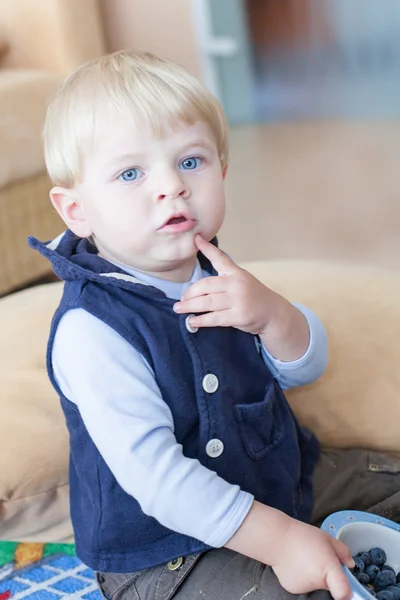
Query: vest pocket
pixel 261 424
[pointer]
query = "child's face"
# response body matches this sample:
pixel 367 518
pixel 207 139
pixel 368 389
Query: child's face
pixel 145 198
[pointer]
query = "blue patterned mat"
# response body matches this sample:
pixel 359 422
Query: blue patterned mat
pixel 43 572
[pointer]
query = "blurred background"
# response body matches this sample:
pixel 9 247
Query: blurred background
pixel 311 89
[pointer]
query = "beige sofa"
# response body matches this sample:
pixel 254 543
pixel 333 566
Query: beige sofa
pixel 40 42
pixel 355 404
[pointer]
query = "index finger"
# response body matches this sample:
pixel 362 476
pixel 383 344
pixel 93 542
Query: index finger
pixel 219 260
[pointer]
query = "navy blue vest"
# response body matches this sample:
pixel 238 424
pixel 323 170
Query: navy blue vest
pixel 265 451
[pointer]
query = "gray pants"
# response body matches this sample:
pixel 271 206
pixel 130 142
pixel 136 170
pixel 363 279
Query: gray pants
pixel 344 479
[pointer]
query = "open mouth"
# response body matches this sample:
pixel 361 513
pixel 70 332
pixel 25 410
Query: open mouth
pixel 176 220
pixel 178 224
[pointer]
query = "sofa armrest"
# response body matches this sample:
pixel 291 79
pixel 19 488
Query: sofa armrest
pixel 53 35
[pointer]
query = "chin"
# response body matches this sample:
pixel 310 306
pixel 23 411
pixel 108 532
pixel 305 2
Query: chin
pixel 185 247
pixel 180 258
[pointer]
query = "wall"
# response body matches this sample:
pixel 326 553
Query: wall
pixel 159 26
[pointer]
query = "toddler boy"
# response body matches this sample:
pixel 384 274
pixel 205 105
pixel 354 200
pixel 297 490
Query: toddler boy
pixel 190 476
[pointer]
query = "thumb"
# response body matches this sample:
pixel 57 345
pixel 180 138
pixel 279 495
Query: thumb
pixel 343 553
pixel 338 584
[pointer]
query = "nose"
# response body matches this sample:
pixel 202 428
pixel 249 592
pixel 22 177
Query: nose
pixel 171 186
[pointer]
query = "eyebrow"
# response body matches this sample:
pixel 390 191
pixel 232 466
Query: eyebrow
pixel 129 156
pixel 197 144
pixel 136 157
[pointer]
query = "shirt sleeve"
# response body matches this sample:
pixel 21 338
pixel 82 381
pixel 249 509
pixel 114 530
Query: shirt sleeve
pixel 122 408
pixel 311 365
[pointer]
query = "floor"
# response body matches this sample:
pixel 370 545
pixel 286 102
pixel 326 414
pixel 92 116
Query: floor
pixel 315 190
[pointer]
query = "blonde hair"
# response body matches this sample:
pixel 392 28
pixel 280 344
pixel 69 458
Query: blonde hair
pixel 153 90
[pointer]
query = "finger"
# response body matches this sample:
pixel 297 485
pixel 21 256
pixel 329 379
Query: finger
pixel 343 553
pixel 211 302
pixel 338 584
pixel 221 318
pixel 207 285
pixel 220 261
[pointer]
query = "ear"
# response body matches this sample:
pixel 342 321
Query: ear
pixel 224 171
pixel 67 204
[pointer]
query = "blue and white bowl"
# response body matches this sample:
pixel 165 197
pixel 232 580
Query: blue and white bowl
pixel 362 531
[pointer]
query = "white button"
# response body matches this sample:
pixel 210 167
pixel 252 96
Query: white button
pixel 188 325
pixel 210 383
pixel 214 448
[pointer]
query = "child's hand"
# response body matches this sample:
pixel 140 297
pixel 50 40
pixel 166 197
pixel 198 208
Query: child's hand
pixel 237 299
pixel 310 559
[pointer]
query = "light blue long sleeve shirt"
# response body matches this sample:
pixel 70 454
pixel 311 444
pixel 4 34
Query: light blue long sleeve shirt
pixel 121 405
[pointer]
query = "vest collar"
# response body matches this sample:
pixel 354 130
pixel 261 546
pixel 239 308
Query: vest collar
pixel 74 258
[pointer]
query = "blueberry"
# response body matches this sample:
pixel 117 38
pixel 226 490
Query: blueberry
pixel 372 571
pixel 388 568
pixel 359 565
pixel 365 557
pixel 383 580
pixel 395 591
pixel 384 595
pixel 378 556
pixel 363 578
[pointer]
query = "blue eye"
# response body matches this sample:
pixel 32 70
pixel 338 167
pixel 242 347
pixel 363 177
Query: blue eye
pixel 130 175
pixel 191 163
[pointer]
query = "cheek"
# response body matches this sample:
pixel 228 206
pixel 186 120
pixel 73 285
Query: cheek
pixel 113 209
pixel 217 199
pixel 221 213
pixel 212 191
pixel 212 208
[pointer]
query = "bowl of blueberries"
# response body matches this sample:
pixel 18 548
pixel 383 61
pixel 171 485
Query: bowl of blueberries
pixel 374 544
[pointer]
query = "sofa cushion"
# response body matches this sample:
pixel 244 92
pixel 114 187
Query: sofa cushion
pixel 355 404
pixel 24 95
pixel 357 401
pixel 34 492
